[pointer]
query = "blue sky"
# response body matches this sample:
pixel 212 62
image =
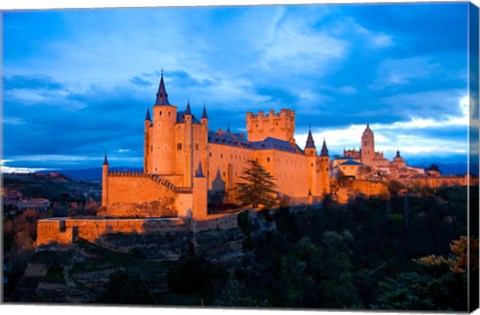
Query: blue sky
pixel 77 83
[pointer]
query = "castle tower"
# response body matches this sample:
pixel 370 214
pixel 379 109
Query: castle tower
pixel 162 140
pixel 105 181
pixel 368 146
pixel 188 142
pixel 146 149
pixel 276 125
pixel 311 153
pixel 324 169
pixel 204 122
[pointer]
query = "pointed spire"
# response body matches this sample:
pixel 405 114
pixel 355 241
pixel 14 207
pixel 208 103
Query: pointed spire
pixel 204 113
pixel 199 172
pixel 188 111
pixel 162 96
pixel 310 142
pixel 398 153
pixel 105 159
pixel 228 128
pixel 324 151
pixel 148 115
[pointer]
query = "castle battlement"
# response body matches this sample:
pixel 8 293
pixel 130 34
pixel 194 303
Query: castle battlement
pixel 284 113
pixel 127 173
pixel 279 125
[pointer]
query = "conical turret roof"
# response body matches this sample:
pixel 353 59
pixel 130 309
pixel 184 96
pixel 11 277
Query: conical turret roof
pixel 204 112
pixel 310 143
pixel 162 96
pixel 324 151
pixel 105 159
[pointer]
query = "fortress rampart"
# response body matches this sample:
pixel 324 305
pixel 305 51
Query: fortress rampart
pixel 134 194
pixel 65 231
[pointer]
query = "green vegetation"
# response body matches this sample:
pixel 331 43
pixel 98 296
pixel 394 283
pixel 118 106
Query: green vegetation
pixel 404 253
pixel 126 288
pixel 258 187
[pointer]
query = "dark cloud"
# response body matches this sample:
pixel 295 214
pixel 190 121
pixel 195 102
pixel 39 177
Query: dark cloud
pixel 277 95
pixel 108 115
pixel 183 79
pixel 139 81
pixel 31 82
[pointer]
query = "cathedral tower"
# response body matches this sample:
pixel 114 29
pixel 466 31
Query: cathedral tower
pixel 368 146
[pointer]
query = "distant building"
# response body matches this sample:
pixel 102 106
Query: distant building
pixel 352 160
pixel 16 199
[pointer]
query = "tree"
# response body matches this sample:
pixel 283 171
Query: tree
pixel 464 255
pixel 126 288
pixel 440 284
pixel 258 187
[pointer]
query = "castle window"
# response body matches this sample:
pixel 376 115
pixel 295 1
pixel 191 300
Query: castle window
pixel 196 146
pixel 179 146
pixel 168 113
pixel 268 159
pixel 210 154
pixel 221 155
pixel 311 164
pixel 160 113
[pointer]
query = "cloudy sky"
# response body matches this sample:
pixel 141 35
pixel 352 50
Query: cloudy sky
pixel 77 83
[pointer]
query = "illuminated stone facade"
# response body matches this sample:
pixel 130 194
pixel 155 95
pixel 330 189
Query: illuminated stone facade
pixel 184 162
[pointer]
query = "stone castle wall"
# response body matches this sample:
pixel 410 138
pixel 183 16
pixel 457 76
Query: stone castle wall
pixel 216 221
pixel 289 169
pixel 226 164
pixel 138 195
pixel 369 188
pixel 64 231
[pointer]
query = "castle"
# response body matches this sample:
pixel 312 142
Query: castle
pixel 185 162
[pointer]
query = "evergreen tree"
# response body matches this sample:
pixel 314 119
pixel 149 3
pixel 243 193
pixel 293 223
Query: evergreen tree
pixel 258 187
